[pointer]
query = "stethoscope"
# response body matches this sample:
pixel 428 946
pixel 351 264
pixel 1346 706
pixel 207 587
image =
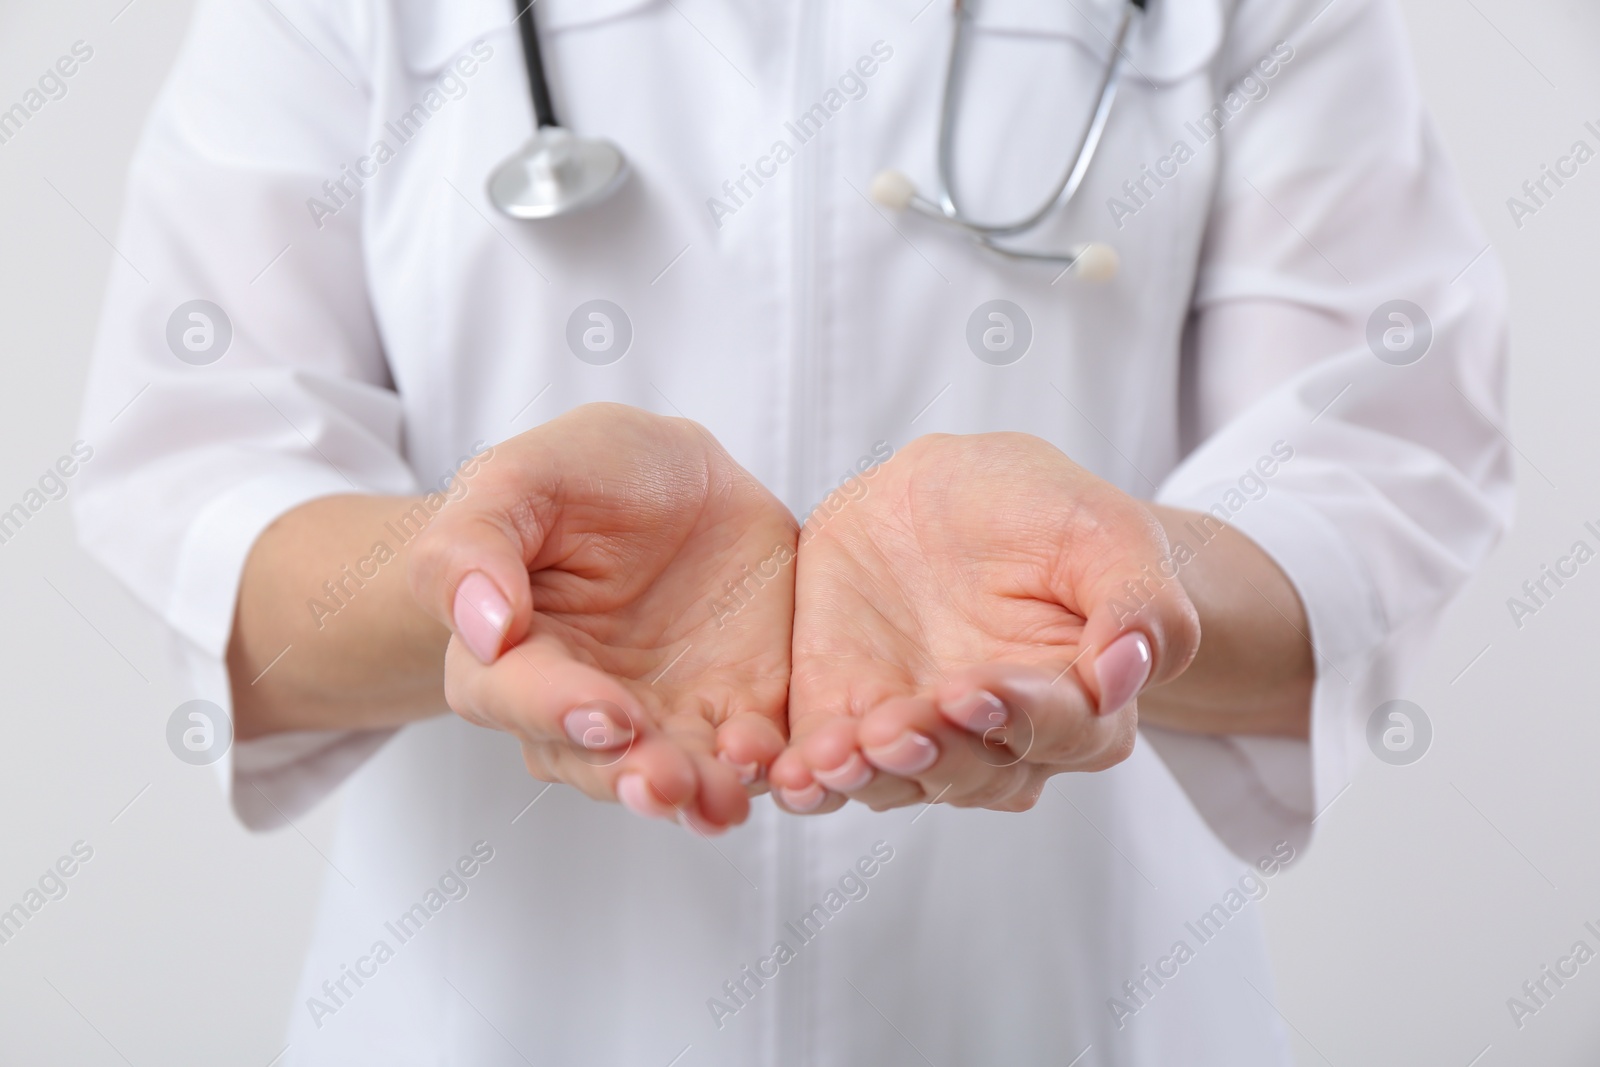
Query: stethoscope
pixel 557 173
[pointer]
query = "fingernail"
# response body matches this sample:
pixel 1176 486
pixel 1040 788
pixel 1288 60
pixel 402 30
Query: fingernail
pixel 1122 669
pixel 849 776
pixel 910 753
pixel 634 792
pixel 596 726
pixel 803 800
pixel 748 772
pixel 482 615
pixel 695 824
pixel 978 711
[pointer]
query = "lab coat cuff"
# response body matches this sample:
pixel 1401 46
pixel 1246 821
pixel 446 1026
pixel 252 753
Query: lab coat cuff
pixel 276 779
pixel 269 780
pixel 205 590
pixel 1256 792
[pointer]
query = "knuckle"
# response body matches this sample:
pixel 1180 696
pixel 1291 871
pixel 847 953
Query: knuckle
pixel 460 683
pixel 1068 739
pixel 882 795
pixel 536 759
pixel 1119 746
pixel 1025 794
pixel 1182 634
pixel 992 789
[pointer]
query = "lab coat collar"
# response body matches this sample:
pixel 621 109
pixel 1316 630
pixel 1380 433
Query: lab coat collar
pixel 1172 40
pixel 435 31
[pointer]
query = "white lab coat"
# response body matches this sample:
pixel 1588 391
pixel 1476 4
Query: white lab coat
pixel 378 336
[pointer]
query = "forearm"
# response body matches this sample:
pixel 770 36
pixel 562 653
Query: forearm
pixel 326 635
pixel 1255 668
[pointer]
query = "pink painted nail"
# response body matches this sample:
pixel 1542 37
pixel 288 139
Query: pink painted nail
pixel 482 616
pixel 910 753
pixel 1122 669
pixel 978 711
pixel 597 726
pixel 634 792
pixel 849 776
pixel 803 800
pixel 748 772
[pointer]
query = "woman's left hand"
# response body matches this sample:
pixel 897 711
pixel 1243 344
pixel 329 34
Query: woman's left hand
pixel 981 619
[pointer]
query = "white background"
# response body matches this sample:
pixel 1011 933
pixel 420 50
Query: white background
pixel 1433 890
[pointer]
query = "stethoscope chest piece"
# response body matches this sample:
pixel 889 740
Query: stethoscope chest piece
pixel 556 173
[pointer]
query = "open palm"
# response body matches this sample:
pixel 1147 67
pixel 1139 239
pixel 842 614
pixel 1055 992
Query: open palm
pixel 648 585
pixel 949 621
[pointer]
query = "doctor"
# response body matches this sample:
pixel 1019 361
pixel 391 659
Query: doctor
pixel 390 449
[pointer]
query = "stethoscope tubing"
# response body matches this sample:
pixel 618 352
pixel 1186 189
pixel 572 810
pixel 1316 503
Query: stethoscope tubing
pixel 948 209
pixel 544 112
pixel 510 186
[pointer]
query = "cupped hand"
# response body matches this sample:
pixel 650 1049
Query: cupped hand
pixel 981 619
pixel 620 594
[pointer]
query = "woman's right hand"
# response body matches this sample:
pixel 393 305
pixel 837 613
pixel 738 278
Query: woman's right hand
pixel 620 594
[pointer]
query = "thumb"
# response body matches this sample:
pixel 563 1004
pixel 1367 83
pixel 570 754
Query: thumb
pixel 469 570
pixel 1141 628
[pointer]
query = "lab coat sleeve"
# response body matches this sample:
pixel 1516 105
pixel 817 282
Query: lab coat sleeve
pixel 1333 199
pixel 192 462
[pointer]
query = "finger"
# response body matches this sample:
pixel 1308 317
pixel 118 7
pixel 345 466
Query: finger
pixel 653 778
pixel 1039 715
pixel 832 757
pixel 827 686
pixel 812 800
pixel 540 694
pixel 1140 626
pixel 666 776
pixel 1120 671
pixel 721 801
pixel 821 706
pixel 748 742
pixel 469 567
pixel 794 785
pixel 909 738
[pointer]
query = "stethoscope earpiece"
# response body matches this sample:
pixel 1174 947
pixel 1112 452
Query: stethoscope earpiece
pixel 892 189
pixel 1091 262
pixel 1095 262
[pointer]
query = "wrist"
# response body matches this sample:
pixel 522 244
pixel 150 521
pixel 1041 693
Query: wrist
pixel 1255 669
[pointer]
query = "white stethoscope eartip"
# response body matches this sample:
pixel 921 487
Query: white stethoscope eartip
pixel 1095 263
pixel 1090 263
pixel 892 189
